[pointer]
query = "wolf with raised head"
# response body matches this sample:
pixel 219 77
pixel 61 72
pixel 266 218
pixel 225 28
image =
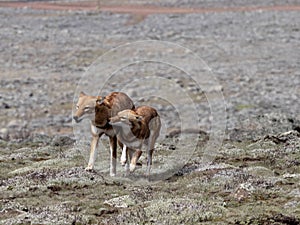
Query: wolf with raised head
pixel 112 104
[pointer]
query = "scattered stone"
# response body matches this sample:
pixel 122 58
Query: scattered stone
pixel 54 188
pixel 132 93
pixel 241 194
pixel 288 175
pixel 175 132
pixel 295 193
pixel 259 171
pixel 5 105
pixel 14 124
pixel 4 134
pixel 62 141
pixel 120 202
pixel 40 138
pixel 292 204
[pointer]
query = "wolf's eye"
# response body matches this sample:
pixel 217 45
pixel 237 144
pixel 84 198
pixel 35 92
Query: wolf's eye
pixel 77 106
pixel 86 108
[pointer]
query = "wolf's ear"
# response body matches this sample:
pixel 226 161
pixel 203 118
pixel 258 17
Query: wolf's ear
pixel 99 100
pixel 81 94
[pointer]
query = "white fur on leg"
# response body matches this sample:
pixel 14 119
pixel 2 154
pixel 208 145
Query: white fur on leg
pixel 113 164
pixel 123 156
pixel 132 167
pixel 93 153
pixel 91 161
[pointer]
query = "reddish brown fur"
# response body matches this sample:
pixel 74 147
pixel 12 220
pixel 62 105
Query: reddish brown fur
pixel 147 114
pixel 142 126
pixel 112 104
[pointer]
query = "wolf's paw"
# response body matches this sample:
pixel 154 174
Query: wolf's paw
pixel 147 173
pixel 112 174
pixel 123 162
pixel 132 167
pixel 89 168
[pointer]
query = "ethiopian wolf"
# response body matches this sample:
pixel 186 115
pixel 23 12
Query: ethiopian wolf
pixel 135 128
pixel 113 103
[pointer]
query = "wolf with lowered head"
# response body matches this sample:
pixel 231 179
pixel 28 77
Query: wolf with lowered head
pixel 137 128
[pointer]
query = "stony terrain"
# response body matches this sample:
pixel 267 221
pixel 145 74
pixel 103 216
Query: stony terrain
pixel 253 178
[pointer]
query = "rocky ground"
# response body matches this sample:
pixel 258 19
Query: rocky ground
pixel 252 179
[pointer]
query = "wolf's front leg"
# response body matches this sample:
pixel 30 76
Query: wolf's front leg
pixel 150 150
pixel 124 155
pixel 93 152
pixel 135 157
pixel 113 155
pixel 129 155
pixel 149 161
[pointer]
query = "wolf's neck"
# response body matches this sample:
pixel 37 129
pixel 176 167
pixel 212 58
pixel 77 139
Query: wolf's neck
pixel 126 130
pixel 136 129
